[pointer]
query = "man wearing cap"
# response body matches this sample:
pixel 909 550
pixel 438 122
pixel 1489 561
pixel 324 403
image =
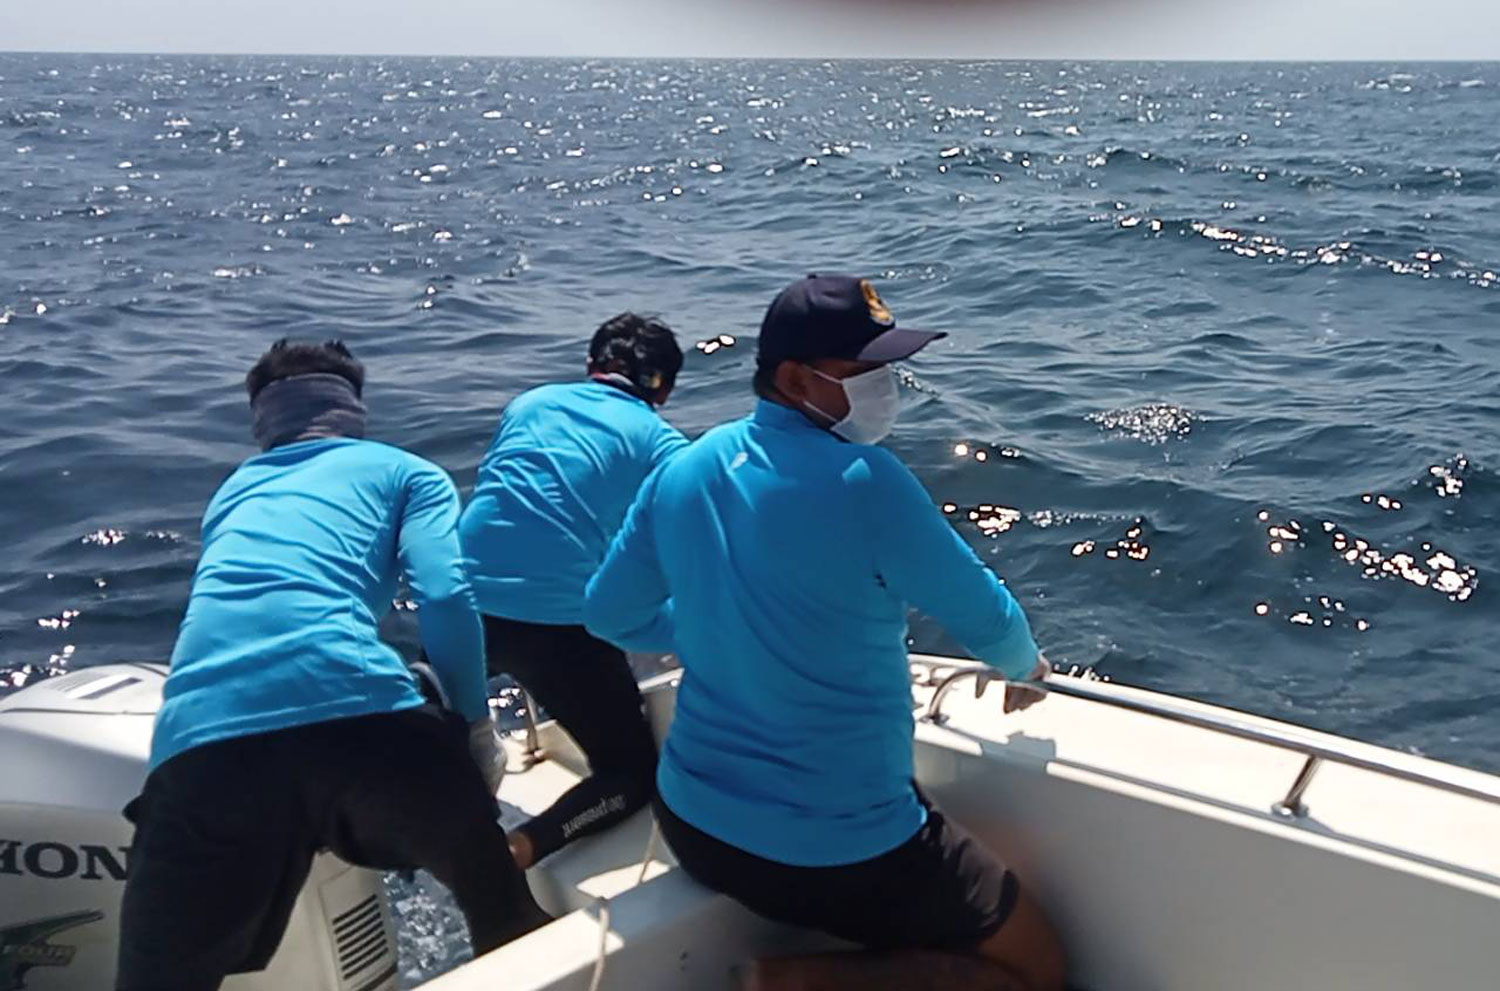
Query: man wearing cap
pixel 778 556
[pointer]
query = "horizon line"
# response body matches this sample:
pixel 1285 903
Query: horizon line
pixel 1243 60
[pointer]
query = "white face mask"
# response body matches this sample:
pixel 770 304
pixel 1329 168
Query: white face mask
pixel 874 403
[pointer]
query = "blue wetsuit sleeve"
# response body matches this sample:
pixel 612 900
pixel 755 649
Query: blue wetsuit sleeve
pixel 922 559
pixel 627 602
pixel 669 440
pixel 447 614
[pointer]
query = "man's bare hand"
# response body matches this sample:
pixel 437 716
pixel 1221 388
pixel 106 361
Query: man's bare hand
pixel 1021 694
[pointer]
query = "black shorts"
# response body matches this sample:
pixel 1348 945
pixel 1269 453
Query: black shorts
pixel 940 890
pixel 226 832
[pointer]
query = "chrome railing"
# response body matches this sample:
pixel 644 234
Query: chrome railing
pixel 533 753
pixel 1316 751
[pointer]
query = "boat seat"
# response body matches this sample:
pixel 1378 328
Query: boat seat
pixel 665 932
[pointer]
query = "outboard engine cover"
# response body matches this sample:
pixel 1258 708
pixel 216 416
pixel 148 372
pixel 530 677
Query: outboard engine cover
pixel 73 752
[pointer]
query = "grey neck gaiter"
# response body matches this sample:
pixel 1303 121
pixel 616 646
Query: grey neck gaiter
pixel 623 383
pixel 306 407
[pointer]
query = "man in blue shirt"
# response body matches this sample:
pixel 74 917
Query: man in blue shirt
pixel 287 725
pixel 778 556
pixel 563 469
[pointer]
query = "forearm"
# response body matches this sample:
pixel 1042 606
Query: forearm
pixel 1006 643
pixel 639 631
pixel 627 600
pixel 454 641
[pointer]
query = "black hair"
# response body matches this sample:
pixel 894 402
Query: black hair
pixel 286 358
pixel 643 349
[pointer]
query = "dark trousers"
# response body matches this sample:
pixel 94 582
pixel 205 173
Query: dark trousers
pixel 226 833
pixel 588 687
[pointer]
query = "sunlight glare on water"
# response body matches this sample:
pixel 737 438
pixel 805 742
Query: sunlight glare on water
pixel 1216 332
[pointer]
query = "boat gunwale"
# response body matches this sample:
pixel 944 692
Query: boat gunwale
pixel 1311 744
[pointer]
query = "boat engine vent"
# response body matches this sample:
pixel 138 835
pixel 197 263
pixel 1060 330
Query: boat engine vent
pixel 363 945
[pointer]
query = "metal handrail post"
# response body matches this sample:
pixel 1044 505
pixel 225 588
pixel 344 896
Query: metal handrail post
pixel 533 753
pixel 1292 806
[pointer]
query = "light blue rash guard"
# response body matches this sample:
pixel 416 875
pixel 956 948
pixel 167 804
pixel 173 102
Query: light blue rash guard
pixel 564 467
pixel 302 550
pixel 779 562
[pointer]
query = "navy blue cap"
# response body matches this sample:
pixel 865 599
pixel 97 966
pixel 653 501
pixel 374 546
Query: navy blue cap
pixel 835 316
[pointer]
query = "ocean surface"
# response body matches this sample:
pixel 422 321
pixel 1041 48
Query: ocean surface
pixel 1220 400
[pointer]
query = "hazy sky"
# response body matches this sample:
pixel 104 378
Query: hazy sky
pixel 1208 29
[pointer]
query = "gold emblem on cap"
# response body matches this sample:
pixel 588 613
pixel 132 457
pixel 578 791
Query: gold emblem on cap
pixel 879 312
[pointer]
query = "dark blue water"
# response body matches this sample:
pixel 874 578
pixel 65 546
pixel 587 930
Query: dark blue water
pixel 1221 397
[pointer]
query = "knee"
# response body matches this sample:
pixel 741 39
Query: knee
pixel 1028 945
pixel 1049 967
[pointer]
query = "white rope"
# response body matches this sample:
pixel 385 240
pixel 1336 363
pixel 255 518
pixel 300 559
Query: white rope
pixel 602 905
pixel 651 842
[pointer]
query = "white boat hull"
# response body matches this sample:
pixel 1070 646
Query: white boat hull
pixel 1154 844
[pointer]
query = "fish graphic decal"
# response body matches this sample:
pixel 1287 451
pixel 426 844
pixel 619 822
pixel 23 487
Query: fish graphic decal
pixel 25 945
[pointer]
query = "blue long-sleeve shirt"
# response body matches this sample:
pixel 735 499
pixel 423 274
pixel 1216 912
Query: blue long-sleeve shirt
pixel 553 488
pixel 779 562
pixel 303 547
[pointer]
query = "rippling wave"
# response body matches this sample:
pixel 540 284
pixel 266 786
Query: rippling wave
pixel 1219 398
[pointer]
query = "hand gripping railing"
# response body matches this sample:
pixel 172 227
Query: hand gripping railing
pixel 1316 751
